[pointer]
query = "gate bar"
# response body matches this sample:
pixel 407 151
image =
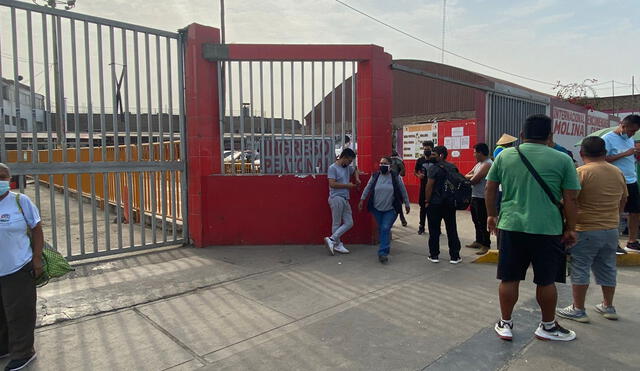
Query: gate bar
pixel 139 146
pixel 127 138
pixel 172 154
pixel 84 17
pixel 94 206
pixel 103 119
pixel 183 146
pixel 76 124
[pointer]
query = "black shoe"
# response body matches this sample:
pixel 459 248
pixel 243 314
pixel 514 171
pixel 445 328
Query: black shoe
pixel 421 230
pixel 620 251
pixel 383 259
pixel 19 364
pixel 633 246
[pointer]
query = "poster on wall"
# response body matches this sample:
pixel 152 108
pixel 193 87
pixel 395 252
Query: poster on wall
pixel 569 127
pixel 414 135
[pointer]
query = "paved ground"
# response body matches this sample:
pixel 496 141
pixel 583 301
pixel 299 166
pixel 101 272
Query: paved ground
pixel 295 308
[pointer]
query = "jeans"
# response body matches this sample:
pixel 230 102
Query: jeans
pixel 385 220
pixel 595 251
pixel 18 313
pixel 479 217
pixel 435 215
pixel 342 219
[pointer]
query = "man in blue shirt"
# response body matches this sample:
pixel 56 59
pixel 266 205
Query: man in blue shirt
pixel 621 153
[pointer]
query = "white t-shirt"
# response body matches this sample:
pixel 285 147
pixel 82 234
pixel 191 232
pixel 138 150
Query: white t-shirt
pixel 15 247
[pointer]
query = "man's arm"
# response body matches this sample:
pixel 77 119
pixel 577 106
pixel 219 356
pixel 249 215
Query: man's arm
pixel 570 198
pixel 429 190
pixel 614 158
pixel 37 245
pixel 356 176
pixel 481 174
pixel 490 193
pixel 335 185
pixel 623 203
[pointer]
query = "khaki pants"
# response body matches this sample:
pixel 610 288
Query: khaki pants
pixel 18 313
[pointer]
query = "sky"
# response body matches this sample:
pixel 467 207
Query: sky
pixel 547 40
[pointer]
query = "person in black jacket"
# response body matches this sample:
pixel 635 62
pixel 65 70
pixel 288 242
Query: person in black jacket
pixel 439 207
pixel 387 194
pixel 420 171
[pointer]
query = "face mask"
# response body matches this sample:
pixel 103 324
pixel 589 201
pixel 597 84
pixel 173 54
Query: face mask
pixel 384 169
pixel 4 186
pixel 345 165
pixel 433 160
pixel 427 153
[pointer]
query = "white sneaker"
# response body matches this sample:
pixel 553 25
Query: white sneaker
pixel 433 260
pixel 458 261
pixel 330 245
pixel 341 249
pixel 557 333
pixel 504 330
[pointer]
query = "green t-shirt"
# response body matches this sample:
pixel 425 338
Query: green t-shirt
pixel 525 207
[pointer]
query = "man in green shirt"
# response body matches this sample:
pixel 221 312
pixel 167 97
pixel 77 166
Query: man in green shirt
pixel 531 226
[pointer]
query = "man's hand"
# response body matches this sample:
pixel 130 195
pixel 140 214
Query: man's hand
pixel 351 185
pixel 420 175
pixel 358 182
pixel 38 267
pixel 407 209
pixel 569 238
pixel 360 205
pixel 492 225
pixel 630 152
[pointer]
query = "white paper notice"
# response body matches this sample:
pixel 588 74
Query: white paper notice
pixel 464 142
pixel 457 132
pixel 448 142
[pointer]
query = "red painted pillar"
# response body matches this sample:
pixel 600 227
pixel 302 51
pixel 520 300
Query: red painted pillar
pixel 203 128
pixel 375 110
pixel 375 105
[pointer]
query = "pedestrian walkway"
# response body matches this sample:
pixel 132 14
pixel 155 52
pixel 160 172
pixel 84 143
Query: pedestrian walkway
pixel 296 308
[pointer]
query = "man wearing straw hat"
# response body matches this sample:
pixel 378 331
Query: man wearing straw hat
pixel 504 142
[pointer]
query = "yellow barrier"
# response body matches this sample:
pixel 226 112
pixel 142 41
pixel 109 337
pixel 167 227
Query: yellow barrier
pixel 626 260
pixel 161 182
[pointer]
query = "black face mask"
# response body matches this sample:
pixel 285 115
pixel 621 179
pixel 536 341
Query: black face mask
pixel 427 153
pixel 384 169
pixel 345 165
pixel 433 160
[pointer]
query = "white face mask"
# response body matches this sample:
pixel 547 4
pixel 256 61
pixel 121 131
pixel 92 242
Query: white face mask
pixel 4 186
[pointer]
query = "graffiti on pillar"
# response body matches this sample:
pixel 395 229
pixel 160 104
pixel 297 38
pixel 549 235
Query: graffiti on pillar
pixel 297 155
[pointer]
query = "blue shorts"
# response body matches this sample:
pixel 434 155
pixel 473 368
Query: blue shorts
pixel 596 251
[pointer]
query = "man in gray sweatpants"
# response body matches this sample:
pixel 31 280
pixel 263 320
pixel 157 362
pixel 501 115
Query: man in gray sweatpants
pixel 339 175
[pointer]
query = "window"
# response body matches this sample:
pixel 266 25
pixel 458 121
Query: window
pixel 23 124
pixel 39 126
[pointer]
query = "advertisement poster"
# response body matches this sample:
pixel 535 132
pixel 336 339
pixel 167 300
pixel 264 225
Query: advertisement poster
pixel 414 135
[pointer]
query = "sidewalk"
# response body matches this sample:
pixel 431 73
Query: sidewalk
pixel 296 308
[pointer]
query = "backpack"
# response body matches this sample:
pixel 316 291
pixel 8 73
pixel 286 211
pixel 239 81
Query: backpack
pixel 457 189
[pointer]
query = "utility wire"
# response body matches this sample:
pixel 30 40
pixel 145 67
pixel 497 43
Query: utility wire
pixel 439 48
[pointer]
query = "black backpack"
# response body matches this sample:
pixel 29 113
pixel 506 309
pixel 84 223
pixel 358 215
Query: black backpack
pixel 457 189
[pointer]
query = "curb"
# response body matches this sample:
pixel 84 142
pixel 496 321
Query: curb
pixel 627 260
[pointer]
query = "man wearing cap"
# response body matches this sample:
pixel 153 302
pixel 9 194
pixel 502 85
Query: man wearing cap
pixel 503 143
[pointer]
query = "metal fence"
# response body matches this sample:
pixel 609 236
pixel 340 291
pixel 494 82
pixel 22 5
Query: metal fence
pixel 285 117
pixel 121 72
pixel 506 114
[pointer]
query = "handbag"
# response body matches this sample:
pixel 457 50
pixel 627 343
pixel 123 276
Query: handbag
pixel 54 265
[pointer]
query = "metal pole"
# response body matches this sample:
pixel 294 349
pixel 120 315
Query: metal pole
pixel 444 20
pixel 613 97
pixel 222 28
pixel 633 94
pixel 56 81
